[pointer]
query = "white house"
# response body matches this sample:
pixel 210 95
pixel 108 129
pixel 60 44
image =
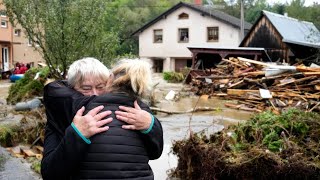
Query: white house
pixel 164 40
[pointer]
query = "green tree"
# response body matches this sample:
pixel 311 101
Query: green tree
pixel 66 30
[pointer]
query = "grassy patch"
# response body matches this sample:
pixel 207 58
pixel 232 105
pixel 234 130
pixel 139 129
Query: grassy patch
pixel 173 77
pixel 35 164
pixel 6 133
pixel 28 87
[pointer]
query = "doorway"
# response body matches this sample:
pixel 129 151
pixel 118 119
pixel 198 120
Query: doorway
pixel 5 59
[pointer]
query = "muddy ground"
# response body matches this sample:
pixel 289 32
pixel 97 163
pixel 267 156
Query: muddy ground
pixel 175 127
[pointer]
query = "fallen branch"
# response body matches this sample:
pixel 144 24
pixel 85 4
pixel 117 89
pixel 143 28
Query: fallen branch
pixel 183 112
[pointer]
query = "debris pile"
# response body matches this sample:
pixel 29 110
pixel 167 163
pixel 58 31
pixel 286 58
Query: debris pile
pixel 260 86
pixel 267 146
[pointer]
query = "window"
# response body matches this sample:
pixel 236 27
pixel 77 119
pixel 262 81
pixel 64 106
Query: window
pixel 157 36
pixel 30 42
pixel 17 32
pixel 4 24
pixel 183 35
pixel 3 13
pixel 213 33
pixel 183 16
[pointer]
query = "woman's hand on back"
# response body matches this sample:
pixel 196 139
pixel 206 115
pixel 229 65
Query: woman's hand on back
pixel 136 118
pixel 92 123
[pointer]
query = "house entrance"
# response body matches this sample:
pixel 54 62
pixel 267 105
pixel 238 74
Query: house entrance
pixel 5 58
pixel 158 65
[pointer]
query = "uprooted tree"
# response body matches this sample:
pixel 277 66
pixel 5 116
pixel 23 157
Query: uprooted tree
pixel 64 31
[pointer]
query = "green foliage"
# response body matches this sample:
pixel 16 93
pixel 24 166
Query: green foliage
pixel 65 31
pixel 173 77
pixel 5 136
pixel 35 164
pixel 273 130
pixel 28 87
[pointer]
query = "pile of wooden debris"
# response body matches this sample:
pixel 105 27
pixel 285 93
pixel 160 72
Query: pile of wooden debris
pixel 260 86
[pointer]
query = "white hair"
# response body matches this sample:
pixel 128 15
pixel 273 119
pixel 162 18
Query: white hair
pixel 85 67
pixel 134 72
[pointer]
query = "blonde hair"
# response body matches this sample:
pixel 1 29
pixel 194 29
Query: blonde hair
pixel 85 67
pixel 134 74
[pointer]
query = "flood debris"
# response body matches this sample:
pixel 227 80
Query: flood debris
pixel 244 79
pixel 268 146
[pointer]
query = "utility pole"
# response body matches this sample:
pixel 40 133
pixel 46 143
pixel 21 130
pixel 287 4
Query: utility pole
pixel 241 21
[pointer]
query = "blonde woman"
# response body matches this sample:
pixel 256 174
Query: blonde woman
pixel 123 152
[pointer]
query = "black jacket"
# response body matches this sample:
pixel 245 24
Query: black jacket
pixel 67 156
pixel 119 153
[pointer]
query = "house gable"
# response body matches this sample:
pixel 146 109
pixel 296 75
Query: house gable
pixel 215 14
pixel 282 37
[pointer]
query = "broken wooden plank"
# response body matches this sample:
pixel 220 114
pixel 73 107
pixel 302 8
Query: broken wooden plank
pixel 28 152
pixel 268 64
pixel 307 69
pixel 240 92
pixel 231 62
pixel 311 73
pixel 254 73
pixel 237 84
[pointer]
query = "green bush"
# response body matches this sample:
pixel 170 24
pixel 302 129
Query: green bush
pixel 173 77
pixel 5 136
pixel 28 87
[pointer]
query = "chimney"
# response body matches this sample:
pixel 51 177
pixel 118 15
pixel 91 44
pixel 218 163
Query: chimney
pixel 198 2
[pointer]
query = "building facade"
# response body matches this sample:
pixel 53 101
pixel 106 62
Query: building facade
pixel 15 45
pixel 164 41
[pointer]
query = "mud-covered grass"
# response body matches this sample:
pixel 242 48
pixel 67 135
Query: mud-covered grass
pixel 268 146
pixel 30 128
pixel 29 86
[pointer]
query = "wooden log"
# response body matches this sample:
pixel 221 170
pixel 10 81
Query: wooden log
pixel 233 106
pixel 290 94
pixel 231 62
pixel 237 84
pixel 183 112
pixel 254 73
pixel 307 69
pixel 216 77
pixel 311 73
pixel 315 106
pixel 240 92
pixel 267 64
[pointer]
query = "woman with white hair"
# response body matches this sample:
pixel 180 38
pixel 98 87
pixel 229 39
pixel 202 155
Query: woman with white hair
pixel 123 152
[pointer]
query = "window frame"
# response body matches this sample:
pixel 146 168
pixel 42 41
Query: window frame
pixel 3 13
pixel 5 23
pixel 30 42
pixel 180 35
pixel 17 32
pixel 215 37
pixel 183 16
pixel 155 36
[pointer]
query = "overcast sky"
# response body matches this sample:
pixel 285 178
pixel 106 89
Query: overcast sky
pixel 307 2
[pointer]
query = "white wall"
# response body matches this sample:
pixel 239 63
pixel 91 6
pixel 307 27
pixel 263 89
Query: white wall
pixel 197 24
